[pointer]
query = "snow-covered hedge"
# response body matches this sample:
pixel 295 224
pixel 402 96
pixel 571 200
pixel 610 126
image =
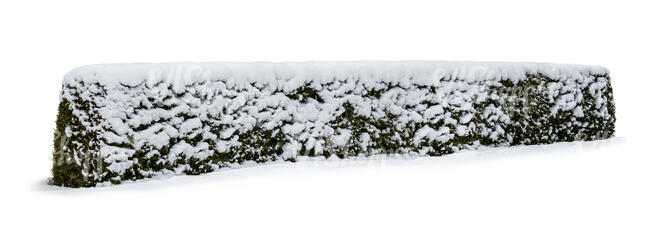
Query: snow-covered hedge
pixel 122 122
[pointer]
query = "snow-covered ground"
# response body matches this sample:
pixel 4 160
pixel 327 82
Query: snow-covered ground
pixel 594 185
pixel 577 185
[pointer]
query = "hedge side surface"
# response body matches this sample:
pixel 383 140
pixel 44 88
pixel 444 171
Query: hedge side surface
pixel 110 130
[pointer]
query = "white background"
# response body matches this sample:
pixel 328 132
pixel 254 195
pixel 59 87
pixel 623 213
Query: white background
pixel 579 185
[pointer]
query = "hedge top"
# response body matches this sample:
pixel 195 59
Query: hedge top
pixel 294 74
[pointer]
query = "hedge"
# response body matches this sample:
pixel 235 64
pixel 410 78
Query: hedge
pixel 119 122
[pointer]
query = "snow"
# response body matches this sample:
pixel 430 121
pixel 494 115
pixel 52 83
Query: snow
pixel 433 111
pixel 227 133
pixel 290 150
pixel 119 158
pixel 293 74
pixel 558 181
pixel 427 133
pixel 117 125
pixel 200 151
pixel 190 125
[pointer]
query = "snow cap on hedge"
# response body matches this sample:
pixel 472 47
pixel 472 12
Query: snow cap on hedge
pixel 419 72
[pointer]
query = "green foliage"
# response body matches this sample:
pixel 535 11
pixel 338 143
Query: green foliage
pixel 65 169
pixel 304 93
pixel 526 102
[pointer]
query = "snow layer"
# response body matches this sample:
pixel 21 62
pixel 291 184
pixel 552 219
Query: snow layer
pixel 293 73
